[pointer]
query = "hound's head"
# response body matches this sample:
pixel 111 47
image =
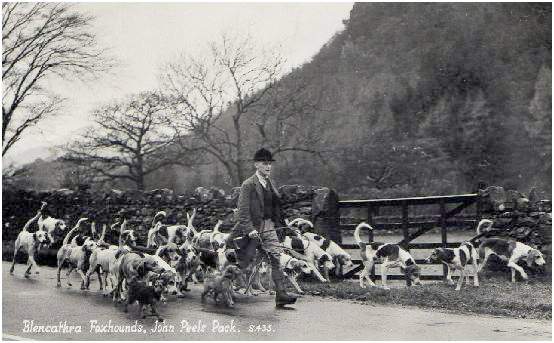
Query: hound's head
pixel 41 237
pixel 535 256
pixel 187 251
pixel 89 245
pixel 436 256
pixel 325 262
pixel 129 238
pixel 58 230
pixel 146 265
pixel 300 266
pixel 60 225
pixel 344 260
pixel 169 282
pixel 168 252
pixel 413 273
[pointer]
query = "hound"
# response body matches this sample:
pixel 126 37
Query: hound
pixel 341 258
pixel 175 233
pixel 51 225
pixel 187 265
pixel 211 239
pixel 457 259
pixel 30 243
pixel 218 239
pixel 392 256
pixel 182 232
pixel 101 258
pixel 131 267
pixel 510 251
pixel 310 253
pixel 291 268
pixel 76 256
pixel 169 273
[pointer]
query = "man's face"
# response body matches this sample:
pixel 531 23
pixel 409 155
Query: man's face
pixel 263 168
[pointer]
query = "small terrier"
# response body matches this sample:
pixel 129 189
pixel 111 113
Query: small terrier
pixel 145 295
pixel 221 283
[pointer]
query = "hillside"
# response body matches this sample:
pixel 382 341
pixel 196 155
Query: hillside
pixel 421 98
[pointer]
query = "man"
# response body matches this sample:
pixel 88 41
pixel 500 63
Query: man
pixel 259 213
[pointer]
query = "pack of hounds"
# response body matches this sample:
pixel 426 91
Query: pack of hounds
pixel 174 255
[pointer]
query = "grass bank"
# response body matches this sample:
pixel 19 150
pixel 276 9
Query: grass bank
pixel 496 296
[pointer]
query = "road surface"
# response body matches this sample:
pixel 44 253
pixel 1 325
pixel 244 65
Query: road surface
pixel 36 304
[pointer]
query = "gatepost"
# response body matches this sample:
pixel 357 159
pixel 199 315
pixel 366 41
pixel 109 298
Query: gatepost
pixel 325 214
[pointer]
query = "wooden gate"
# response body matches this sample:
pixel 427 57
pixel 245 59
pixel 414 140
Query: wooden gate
pixel 448 214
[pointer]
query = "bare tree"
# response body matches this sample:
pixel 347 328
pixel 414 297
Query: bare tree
pixel 289 117
pixel 41 41
pixel 130 140
pixel 226 97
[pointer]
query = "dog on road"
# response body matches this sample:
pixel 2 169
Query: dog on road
pixel 30 243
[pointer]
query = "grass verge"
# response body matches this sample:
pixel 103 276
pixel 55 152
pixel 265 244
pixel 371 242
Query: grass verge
pixel 495 296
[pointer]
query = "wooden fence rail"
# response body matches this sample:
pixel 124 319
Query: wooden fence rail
pixel 444 219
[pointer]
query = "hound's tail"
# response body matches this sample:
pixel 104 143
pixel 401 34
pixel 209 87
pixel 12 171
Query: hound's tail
pixel 103 234
pixel 215 231
pixel 484 222
pixel 66 238
pixel 217 225
pixel 357 233
pixel 121 229
pixel 298 221
pixel 158 216
pixel 37 216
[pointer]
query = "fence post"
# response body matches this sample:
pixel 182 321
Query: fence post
pixel 370 222
pixel 443 232
pixel 405 222
pixel 325 214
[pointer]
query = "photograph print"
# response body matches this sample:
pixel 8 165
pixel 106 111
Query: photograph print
pixel 277 171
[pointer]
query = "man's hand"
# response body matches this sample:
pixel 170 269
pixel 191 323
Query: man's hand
pixel 253 234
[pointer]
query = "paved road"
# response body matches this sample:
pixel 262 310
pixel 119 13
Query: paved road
pixel 38 300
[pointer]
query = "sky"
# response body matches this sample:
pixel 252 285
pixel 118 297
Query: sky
pixel 144 36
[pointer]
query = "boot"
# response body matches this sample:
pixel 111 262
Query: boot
pixel 282 298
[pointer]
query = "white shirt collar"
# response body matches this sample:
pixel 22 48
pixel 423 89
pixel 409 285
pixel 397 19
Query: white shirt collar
pixel 261 179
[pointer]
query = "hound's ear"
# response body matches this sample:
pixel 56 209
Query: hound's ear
pixel 408 273
pixel 531 255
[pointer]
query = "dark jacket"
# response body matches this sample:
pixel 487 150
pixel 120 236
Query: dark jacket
pixel 250 217
pixel 251 207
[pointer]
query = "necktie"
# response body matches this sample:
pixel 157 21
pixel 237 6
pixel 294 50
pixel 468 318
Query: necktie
pixel 270 186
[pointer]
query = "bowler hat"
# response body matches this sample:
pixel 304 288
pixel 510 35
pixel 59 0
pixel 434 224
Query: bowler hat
pixel 263 155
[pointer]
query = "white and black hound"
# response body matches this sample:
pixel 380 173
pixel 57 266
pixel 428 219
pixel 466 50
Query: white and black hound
pixel 457 259
pixel 391 255
pixel 510 251
pixel 341 258
pixel 310 253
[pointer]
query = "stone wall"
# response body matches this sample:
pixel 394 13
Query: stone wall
pixel 524 218
pixel 139 208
